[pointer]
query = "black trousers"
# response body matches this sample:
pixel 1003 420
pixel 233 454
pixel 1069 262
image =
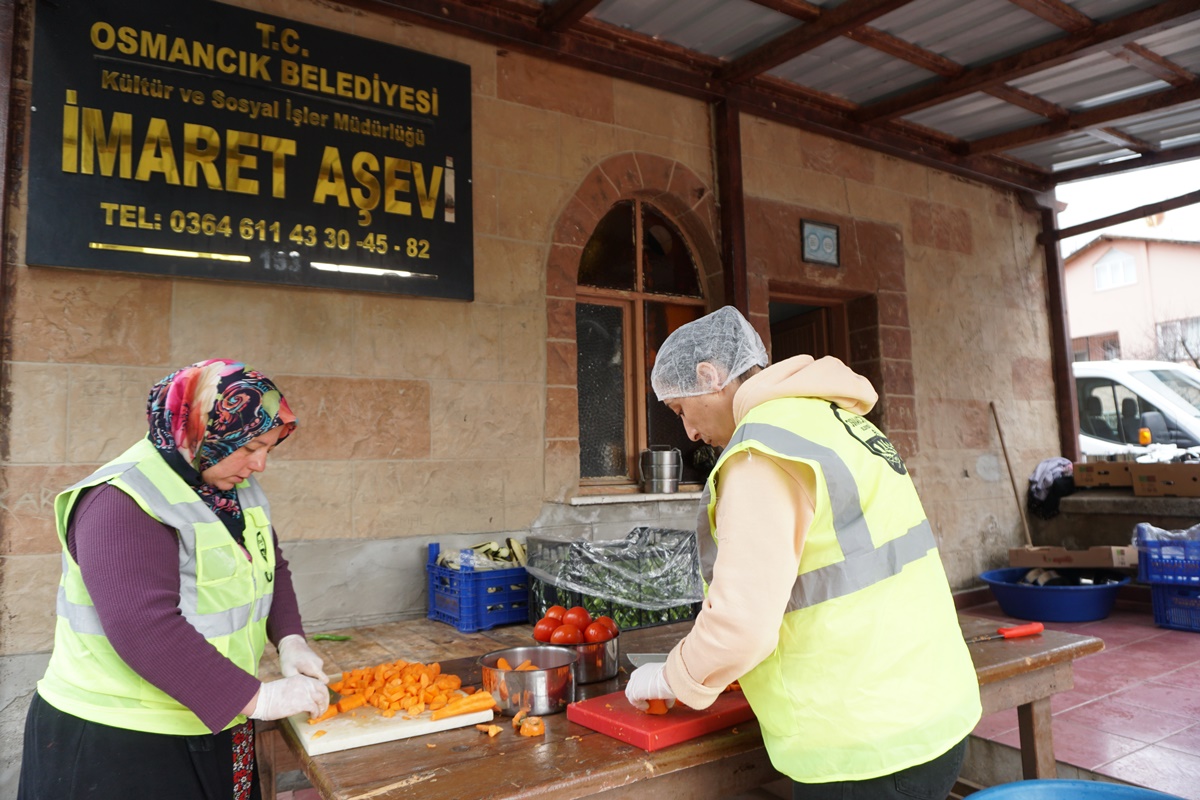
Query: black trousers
pixel 932 780
pixel 68 758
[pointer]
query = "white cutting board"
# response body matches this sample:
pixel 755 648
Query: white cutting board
pixel 365 725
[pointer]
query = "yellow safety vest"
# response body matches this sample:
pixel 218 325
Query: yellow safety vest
pixel 871 674
pixel 223 594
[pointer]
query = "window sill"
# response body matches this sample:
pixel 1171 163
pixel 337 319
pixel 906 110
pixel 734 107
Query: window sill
pixel 636 497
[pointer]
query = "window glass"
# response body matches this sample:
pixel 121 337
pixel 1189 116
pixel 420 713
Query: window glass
pixel 608 260
pixel 1098 410
pixel 1115 268
pixel 663 427
pixel 1174 383
pixel 666 261
pixel 599 332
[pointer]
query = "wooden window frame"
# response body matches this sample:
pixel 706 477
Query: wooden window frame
pixel 634 348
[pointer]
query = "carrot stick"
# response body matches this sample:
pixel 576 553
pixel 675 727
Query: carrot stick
pixel 480 701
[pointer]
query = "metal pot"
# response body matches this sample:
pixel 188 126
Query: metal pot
pixel 660 467
pixel 545 690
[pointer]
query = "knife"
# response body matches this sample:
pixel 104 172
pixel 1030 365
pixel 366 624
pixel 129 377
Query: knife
pixel 1028 629
pixel 638 659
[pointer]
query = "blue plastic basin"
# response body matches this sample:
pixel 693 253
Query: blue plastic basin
pixel 1068 790
pixel 1050 603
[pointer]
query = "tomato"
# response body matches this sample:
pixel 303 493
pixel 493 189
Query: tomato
pixel 608 623
pixel 566 634
pixel 555 612
pixel 578 616
pixel 544 628
pixel 597 632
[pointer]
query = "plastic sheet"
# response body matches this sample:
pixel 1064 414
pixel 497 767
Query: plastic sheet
pixel 652 569
pixel 1145 532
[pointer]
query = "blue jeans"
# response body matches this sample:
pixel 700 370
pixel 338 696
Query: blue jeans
pixel 932 780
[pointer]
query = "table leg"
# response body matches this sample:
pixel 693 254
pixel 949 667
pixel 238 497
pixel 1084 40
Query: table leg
pixel 1037 740
pixel 266 740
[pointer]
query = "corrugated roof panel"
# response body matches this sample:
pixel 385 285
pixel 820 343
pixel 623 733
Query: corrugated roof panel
pixel 720 28
pixel 975 116
pixel 1088 82
pixel 1075 150
pixel 1180 46
pixel 1104 10
pixel 845 68
pixel 1170 127
pixel 968 32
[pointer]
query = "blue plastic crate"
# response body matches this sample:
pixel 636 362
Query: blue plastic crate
pixel 476 600
pixel 1176 607
pixel 1175 562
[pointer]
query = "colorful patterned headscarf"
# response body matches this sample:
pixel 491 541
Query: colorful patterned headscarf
pixel 203 413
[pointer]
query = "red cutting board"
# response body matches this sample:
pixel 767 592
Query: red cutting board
pixel 612 715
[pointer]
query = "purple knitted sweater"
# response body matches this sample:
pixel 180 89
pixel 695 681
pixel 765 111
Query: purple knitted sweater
pixel 130 565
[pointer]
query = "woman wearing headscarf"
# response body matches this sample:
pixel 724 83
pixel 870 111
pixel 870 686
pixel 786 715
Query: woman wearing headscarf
pixel 172 584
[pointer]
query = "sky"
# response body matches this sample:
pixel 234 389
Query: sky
pixel 1099 197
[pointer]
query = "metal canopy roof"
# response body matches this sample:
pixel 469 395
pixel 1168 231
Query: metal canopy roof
pixel 1021 93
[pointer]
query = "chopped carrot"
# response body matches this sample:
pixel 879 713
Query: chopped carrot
pixel 520 715
pixel 490 730
pixel 532 726
pixel 502 663
pixel 480 701
pixel 350 701
pixel 319 734
pixel 656 707
pixel 525 666
pixel 329 712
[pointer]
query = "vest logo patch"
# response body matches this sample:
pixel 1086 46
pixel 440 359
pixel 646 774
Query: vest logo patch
pixel 871 438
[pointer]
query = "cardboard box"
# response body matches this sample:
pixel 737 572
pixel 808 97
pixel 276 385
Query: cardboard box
pixel 1060 557
pixel 1102 473
pixel 1165 480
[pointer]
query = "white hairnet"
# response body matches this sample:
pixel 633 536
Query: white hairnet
pixel 723 338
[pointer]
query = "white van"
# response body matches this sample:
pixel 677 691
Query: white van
pixel 1118 399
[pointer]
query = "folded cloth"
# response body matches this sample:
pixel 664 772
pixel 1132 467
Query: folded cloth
pixel 1045 473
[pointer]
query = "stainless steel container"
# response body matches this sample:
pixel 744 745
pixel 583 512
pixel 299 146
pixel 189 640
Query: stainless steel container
pixel 545 690
pixel 598 661
pixel 660 467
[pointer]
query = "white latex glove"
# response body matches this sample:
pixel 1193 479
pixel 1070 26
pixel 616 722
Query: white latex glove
pixel 649 682
pixel 288 696
pixel 297 658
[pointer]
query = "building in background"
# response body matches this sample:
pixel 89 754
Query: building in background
pixel 1134 297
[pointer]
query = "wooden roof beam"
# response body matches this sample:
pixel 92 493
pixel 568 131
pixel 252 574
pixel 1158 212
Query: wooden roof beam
pixel 562 14
pixel 1102 37
pixel 1085 120
pixel 1132 164
pixel 1058 13
pixel 1150 62
pixel 1141 212
pixel 797 9
pixel 1125 140
pixel 830 25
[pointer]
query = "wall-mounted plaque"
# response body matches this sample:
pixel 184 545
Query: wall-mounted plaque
pixel 201 140
pixel 819 242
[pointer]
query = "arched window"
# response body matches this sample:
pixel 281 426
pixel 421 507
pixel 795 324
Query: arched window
pixel 637 282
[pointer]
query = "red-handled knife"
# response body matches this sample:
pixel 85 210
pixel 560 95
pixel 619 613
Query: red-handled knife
pixel 1028 629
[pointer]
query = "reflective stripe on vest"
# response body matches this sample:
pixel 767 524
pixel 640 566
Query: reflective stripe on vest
pixel 863 563
pixel 183 517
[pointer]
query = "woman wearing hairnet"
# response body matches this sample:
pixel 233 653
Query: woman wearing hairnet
pixel 827 599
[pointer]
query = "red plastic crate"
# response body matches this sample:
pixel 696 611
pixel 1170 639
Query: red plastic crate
pixel 476 600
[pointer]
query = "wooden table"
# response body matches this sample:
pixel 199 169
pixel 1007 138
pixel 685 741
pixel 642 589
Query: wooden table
pixel 1024 673
pixel 572 761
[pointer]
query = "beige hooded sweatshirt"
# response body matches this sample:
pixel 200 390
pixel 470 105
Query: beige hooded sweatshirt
pixel 764 511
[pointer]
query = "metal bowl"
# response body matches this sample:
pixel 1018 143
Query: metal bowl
pixel 546 690
pixel 598 661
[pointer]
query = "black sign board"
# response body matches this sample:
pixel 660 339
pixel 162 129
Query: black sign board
pixel 202 140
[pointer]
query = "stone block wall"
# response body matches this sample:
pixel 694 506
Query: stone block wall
pixel 436 421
